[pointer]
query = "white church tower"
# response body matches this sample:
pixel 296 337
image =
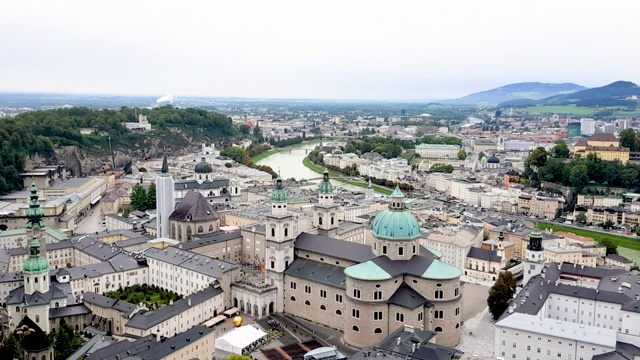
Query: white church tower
pixel 166 200
pixel 326 212
pixel 279 237
pixel 534 256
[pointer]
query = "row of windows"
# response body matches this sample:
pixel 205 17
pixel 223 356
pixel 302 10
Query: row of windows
pixel 355 328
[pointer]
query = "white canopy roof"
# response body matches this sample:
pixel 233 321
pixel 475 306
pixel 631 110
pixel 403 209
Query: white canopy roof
pixel 239 338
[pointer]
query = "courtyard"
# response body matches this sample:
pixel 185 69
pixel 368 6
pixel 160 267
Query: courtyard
pixel 151 296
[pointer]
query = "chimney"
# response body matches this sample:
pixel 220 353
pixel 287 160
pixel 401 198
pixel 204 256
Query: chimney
pixel 398 341
pixel 170 302
pixel 189 301
pixel 413 348
pixel 408 328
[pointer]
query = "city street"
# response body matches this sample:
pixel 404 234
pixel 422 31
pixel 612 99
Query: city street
pixel 91 223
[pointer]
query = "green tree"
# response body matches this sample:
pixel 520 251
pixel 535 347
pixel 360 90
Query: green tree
pixel 561 150
pixel 538 157
pixel 235 152
pixel 257 132
pixel 628 177
pixel 239 357
pixel 481 155
pixel 9 347
pixel 578 176
pixel 581 218
pixel 151 197
pixel 244 129
pixel 611 246
pixel 441 168
pixel 629 139
pixel 501 293
pixel 139 198
pixel 462 155
pixel 66 342
pixel 607 224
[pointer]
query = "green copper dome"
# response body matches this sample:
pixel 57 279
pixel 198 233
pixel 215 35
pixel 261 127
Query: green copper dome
pixel 325 186
pixel 35 263
pixel 396 223
pixel 279 195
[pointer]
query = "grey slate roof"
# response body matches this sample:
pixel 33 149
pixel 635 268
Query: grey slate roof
pixel 102 301
pixel 208 239
pixel 217 183
pixel 17 296
pixel 147 319
pixel 407 297
pixel 194 207
pixel 346 250
pixel 69 310
pixel 619 258
pixel 416 266
pixel 148 348
pixel 484 254
pixel 192 261
pixel 323 273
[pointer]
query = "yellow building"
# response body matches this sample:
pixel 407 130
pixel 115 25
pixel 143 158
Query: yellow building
pixel 604 145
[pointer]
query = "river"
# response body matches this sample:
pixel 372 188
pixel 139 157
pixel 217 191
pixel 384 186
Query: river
pixel 290 165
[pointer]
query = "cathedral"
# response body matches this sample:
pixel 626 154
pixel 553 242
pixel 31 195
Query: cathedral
pixel 365 291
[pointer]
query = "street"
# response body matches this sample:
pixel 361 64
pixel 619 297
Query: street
pixel 91 223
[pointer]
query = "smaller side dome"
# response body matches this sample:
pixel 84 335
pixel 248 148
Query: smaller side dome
pixel 35 263
pixel 493 160
pixel 203 167
pixel 325 186
pixel 279 195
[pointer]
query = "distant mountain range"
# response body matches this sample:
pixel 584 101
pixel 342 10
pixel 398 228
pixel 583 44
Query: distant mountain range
pixel 613 94
pixel 518 91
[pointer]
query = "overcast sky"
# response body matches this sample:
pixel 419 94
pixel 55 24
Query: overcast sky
pixel 342 49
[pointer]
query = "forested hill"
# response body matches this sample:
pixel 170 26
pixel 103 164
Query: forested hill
pixel 44 133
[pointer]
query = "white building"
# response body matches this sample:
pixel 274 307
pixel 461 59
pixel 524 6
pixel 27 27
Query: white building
pixel 435 151
pixel 166 200
pixel 587 126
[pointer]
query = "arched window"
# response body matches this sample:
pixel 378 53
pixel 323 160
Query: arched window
pixel 37 318
pixel 356 293
pixel 286 231
pixel 57 304
pixel 322 307
pixel 173 231
pixel 355 328
pixel 273 232
pixel 179 232
pixel 319 220
pixel 457 325
pixel 338 312
pixel 293 298
pixel 200 230
pixel 307 303
pixel 188 233
pixel 210 228
pixel 44 357
pixel 438 329
pixel 17 308
pixel 377 331
pixel 35 280
pixel 438 294
pixel 377 295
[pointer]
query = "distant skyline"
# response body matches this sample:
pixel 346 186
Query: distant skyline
pixel 357 50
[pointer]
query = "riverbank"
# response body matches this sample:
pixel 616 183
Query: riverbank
pixel 340 178
pixel 266 154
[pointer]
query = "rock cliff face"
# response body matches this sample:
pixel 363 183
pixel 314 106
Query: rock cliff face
pixel 82 162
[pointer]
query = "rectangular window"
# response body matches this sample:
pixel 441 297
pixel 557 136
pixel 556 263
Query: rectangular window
pixel 307 289
pixel 356 293
pixel 323 294
pixel 338 298
pixel 355 313
pixel 420 316
pixel 401 251
pixel 438 314
pixel 377 315
pixel 384 249
pixel 399 317
pixel 293 285
pixel 377 295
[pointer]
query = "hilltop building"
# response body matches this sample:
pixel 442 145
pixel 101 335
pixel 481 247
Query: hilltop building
pixel 605 145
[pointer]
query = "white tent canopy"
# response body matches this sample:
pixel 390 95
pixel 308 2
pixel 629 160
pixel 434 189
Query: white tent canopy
pixel 238 339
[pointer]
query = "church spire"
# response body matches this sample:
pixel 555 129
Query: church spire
pixel 34 212
pixel 165 167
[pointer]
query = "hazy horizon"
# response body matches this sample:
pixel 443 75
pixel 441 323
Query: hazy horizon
pixel 316 50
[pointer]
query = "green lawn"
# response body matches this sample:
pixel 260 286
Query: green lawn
pixel 339 177
pixel 265 154
pixel 621 241
pixel 151 296
pixel 633 255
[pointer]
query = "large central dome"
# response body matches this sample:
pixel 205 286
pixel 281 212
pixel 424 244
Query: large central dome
pixel 396 223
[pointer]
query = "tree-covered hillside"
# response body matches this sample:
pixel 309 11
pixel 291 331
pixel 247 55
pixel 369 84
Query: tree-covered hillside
pixel 41 132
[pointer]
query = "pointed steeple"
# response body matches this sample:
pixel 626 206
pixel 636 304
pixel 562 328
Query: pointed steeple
pixel 165 166
pixel 34 212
